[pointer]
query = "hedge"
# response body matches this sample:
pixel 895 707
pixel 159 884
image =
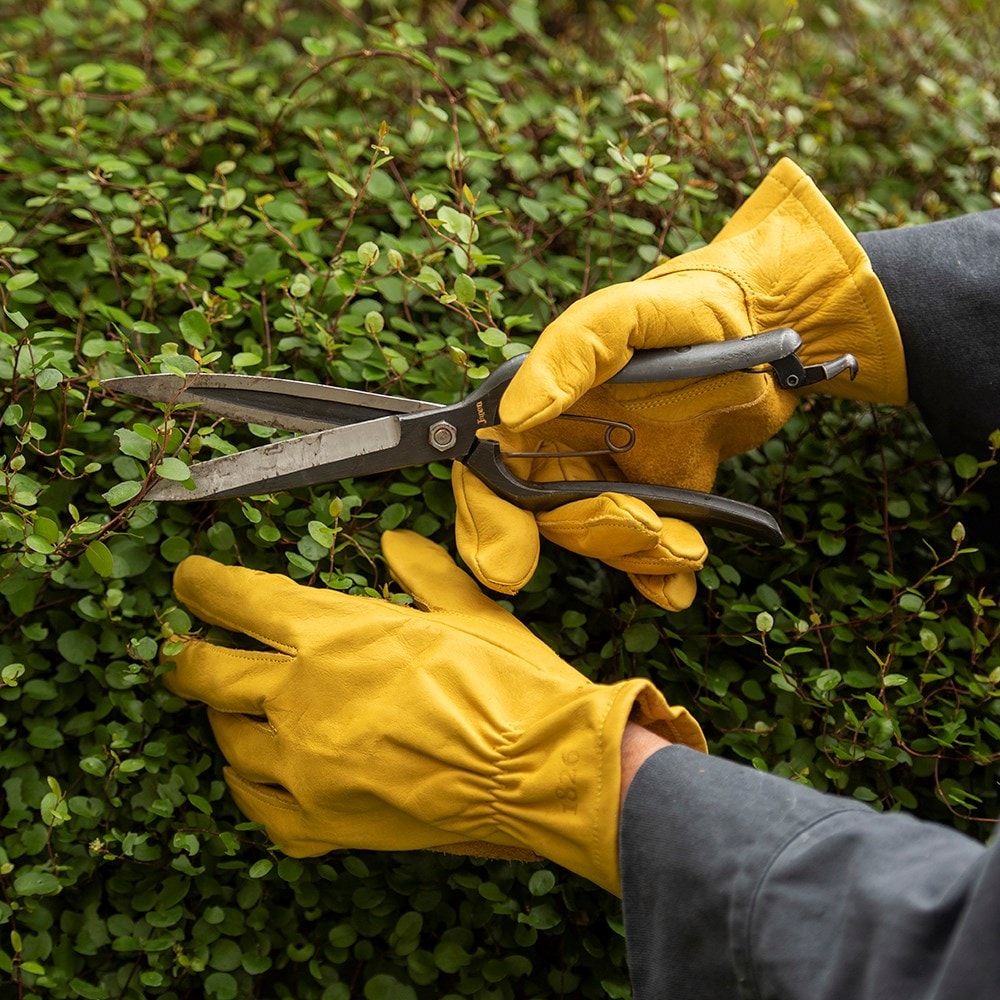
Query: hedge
pixel 396 197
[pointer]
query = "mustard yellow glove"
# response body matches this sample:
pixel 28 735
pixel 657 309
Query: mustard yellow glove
pixel 366 724
pixel 784 259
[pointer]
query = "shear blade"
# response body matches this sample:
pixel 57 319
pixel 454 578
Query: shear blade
pixel 321 457
pixel 273 402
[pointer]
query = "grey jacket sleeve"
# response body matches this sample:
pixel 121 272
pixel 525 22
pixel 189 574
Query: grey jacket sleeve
pixel 738 884
pixel 943 283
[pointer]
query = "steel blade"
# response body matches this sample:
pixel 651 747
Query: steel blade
pixel 322 457
pixel 273 402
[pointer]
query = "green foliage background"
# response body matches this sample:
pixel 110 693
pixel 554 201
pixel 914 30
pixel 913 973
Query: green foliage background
pixel 396 197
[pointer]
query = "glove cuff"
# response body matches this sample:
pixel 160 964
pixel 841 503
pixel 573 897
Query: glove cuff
pixel 561 782
pixel 838 304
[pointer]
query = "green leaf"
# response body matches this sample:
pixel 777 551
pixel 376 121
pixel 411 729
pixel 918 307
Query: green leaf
pixel 173 469
pixel 386 987
pixel 48 378
pixel 533 209
pixel 641 637
pixel 23 279
pixel 232 198
pixel 16 317
pixel 221 536
pixel 966 467
pixel 221 986
pixel 260 868
pixel 322 534
pixel 541 883
pixel 88 991
pixel 449 956
pixel 36 883
pixel 492 337
pixel 368 253
pixel 465 289
pixel 99 557
pixel 134 444
pixel 195 328
pixel 392 517
pixel 349 189
pixel 457 223
pixel 831 545
pixel 122 492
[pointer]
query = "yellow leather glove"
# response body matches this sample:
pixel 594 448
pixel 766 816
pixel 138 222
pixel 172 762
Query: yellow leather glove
pixel 785 259
pixel 366 724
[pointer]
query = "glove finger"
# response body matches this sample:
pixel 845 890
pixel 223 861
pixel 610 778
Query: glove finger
pixel 293 828
pixel 498 541
pixel 357 815
pixel 595 337
pixel 264 605
pixel 249 747
pixel 279 814
pixel 607 526
pixel 230 680
pixel 426 571
pixel 624 532
pixel 673 592
pixel 679 548
pixel 551 466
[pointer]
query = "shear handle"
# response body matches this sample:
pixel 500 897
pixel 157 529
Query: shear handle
pixel 702 509
pixel 714 358
pixel 656 365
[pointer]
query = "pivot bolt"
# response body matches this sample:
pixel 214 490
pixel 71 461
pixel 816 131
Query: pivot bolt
pixel 442 435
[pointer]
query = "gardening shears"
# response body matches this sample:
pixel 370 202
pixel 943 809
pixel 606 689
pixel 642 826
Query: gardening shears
pixel 346 432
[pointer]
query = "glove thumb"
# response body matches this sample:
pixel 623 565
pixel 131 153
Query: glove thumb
pixel 498 541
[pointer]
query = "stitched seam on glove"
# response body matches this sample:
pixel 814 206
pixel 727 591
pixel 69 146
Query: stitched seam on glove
pixel 711 385
pixel 282 800
pixel 635 563
pixel 472 626
pixel 614 519
pixel 282 654
pixel 280 648
pixel 261 721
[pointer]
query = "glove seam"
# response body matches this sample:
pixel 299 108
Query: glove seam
pixel 702 387
pixel 281 653
pixel 632 563
pixel 263 794
pixel 279 648
pixel 595 831
pixel 604 520
pixel 261 722
pixel 749 295
pixel 472 625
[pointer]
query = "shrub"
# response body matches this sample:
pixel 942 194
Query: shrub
pixel 395 198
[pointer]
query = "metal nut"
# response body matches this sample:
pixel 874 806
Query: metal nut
pixel 442 435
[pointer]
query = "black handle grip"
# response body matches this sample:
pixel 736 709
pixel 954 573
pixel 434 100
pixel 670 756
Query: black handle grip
pixel 701 509
pixel 700 360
